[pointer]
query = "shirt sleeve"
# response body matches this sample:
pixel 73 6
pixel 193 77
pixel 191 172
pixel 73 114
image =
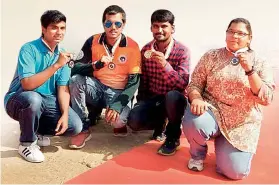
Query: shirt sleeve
pixel 64 76
pixel 83 64
pixel 265 95
pixel 125 97
pixel 179 78
pixel 26 62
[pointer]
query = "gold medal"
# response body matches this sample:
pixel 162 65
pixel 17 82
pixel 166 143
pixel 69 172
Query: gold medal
pixel 148 54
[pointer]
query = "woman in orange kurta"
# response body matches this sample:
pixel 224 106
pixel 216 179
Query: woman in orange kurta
pixel 227 90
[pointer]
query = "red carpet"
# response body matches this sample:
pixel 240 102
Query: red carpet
pixel 142 165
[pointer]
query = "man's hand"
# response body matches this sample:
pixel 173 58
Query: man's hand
pixel 62 125
pixel 106 59
pixel 111 116
pixel 63 59
pixel 198 106
pixel 159 57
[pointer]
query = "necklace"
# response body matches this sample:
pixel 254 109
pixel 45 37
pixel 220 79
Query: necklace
pixel 235 59
pixel 111 65
pixel 148 53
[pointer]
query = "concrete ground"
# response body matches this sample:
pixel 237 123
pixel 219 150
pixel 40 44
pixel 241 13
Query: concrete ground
pixel 61 163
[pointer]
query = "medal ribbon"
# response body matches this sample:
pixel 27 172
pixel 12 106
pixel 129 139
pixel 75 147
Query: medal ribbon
pixel 242 50
pixel 113 48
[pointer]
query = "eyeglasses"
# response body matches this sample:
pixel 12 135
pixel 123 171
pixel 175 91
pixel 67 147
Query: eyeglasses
pixel 236 33
pixel 108 24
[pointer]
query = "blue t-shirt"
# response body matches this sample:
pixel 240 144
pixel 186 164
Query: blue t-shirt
pixel 35 57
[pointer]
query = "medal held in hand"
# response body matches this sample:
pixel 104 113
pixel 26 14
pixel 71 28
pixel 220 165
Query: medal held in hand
pixel 71 64
pixel 147 54
pixel 71 61
pixel 74 58
pixel 234 61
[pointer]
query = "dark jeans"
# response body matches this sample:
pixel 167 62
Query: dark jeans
pixel 37 113
pixel 89 96
pixel 151 114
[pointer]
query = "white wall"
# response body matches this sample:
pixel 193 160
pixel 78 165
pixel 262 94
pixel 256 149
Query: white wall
pixel 200 24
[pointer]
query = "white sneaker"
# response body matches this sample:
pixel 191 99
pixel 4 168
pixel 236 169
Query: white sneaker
pixel 31 153
pixel 195 165
pixel 43 140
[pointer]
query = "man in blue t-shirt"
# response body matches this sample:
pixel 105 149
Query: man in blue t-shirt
pixel 39 96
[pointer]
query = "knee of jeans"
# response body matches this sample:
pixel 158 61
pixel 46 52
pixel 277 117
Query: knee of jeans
pixel 75 124
pixel 237 172
pixel 134 122
pixel 74 129
pixel 35 101
pixel 190 121
pixel 173 96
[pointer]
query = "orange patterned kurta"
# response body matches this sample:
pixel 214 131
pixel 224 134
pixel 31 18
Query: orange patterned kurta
pixel 227 91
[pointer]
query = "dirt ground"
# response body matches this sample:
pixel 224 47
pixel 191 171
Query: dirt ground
pixel 62 163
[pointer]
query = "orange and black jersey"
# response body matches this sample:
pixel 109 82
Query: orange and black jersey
pixel 127 66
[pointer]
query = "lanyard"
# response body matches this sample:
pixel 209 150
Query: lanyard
pixel 242 50
pixel 113 48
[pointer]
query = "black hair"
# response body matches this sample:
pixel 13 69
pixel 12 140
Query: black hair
pixel 162 15
pixel 242 20
pixel 50 17
pixel 246 22
pixel 112 10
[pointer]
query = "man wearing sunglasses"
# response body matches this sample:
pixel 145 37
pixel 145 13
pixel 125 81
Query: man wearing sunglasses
pixel 105 76
pixel 165 75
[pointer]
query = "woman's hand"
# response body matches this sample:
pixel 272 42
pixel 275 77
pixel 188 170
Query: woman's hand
pixel 246 60
pixel 198 106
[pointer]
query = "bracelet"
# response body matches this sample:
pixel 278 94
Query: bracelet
pixel 249 73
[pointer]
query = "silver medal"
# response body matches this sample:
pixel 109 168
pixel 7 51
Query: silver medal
pixel 71 63
pixel 234 61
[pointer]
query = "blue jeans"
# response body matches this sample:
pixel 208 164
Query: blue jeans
pixel 37 113
pixel 231 162
pixel 88 91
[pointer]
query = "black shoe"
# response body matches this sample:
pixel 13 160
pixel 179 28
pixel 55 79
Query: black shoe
pixel 161 137
pixel 169 147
